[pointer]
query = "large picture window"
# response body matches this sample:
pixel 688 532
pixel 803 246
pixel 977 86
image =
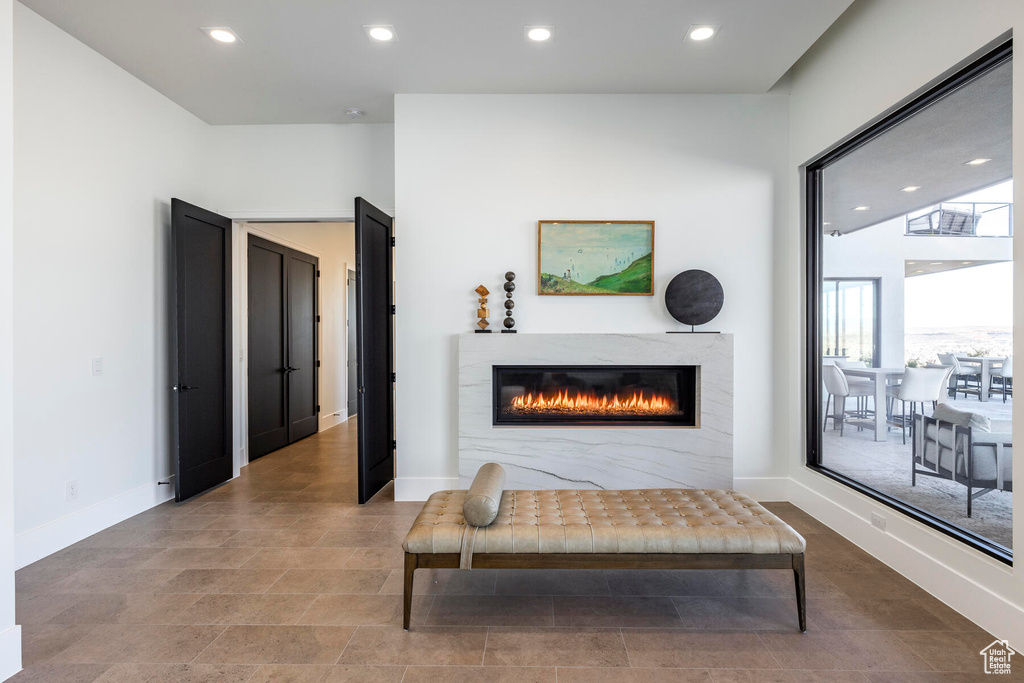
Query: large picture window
pixel 910 308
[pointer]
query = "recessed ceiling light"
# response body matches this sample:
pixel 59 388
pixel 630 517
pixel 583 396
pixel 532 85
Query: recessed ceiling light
pixel 222 34
pixel 701 32
pixel 910 263
pixel 935 263
pixel 965 263
pixel 354 113
pixel 861 208
pixel 539 34
pixel 826 223
pixel 382 33
pixel 911 188
pixel 918 271
pixel 977 162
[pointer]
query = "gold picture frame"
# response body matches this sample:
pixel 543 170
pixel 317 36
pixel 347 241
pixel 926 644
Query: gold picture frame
pixel 595 258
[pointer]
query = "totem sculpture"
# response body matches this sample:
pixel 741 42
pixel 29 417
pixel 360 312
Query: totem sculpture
pixel 510 287
pixel 481 310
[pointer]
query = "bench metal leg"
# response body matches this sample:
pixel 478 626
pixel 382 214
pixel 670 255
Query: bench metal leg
pixel 411 561
pixel 801 592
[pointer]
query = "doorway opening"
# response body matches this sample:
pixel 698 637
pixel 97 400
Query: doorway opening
pixel 297 359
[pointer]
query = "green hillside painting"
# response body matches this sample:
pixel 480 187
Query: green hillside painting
pixel 582 257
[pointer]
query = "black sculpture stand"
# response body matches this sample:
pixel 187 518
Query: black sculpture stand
pixel 509 322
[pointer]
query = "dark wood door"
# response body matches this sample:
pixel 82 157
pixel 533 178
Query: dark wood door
pixel 303 410
pixel 375 359
pixel 202 348
pixel 268 347
pixel 283 373
pixel 350 328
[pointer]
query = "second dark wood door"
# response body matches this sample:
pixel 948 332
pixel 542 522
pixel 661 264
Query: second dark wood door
pixel 282 346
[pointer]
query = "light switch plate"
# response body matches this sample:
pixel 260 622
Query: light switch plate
pixel 97 366
pixel 878 521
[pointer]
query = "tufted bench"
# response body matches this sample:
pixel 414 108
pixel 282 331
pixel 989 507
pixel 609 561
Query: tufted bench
pixel 639 529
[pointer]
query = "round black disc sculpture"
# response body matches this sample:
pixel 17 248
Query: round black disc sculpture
pixel 694 297
pixel 509 322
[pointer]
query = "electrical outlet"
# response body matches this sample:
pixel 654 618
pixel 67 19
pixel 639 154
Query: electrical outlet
pixel 97 366
pixel 71 490
pixel 878 521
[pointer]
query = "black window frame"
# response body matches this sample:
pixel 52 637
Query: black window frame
pixel 813 291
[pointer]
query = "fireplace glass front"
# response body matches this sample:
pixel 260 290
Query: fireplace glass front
pixel 596 395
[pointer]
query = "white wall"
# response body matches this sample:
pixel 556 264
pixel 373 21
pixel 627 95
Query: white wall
pixel 473 174
pixel 335 245
pixel 98 156
pixel 10 635
pixel 861 68
pixel 303 171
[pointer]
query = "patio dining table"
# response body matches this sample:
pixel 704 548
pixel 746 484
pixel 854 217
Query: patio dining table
pixel 881 378
pixel 986 370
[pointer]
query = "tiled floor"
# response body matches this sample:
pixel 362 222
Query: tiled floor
pixel 280 576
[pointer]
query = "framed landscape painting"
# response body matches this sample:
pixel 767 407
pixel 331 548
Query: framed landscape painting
pixel 596 257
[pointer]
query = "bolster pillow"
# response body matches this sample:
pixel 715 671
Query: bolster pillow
pixel 481 506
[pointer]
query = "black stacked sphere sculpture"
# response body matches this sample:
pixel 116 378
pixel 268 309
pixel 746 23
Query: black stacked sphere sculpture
pixel 510 287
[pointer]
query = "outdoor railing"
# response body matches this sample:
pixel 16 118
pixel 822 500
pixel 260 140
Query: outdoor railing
pixel 963 219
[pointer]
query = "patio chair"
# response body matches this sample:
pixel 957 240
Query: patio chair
pixel 919 385
pixel 839 389
pixel 963 447
pixel 1001 379
pixel 971 379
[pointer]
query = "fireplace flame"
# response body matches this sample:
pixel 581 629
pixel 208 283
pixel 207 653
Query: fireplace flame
pixel 562 402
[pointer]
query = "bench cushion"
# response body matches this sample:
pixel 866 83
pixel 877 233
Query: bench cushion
pixel 596 521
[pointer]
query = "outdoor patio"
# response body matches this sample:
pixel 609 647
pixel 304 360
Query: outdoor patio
pixel 886 466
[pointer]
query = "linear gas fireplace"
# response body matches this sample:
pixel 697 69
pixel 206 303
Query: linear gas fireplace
pixel 624 395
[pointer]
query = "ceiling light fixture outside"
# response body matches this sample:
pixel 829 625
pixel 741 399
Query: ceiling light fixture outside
pixel 381 33
pixel 700 33
pixel 354 113
pixel 539 34
pixel 861 208
pixel 911 188
pixel 977 162
pixel 221 34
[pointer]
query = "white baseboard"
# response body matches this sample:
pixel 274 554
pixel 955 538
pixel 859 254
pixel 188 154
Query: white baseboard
pixel 10 652
pixel 35 544
pixel 420 488
pixel 925 556
pixel 332 420
pixel 764 489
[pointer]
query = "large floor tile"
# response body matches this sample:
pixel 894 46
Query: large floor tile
pixel 474 674
pixel 845 650
pixel 615 612
pixel 301 558
pixel 201 558
pixel 278 645
pixel 555 647
pixel 550 582
pixel 357 610
pixel 177 673
pixel 229 609
pixel 752 614
pixel 491 610
pixel 126 608
pixel 663 582
pixel 703 649
pixel 59 673
pixel 635 675
pixel 355 581
pixel 424 645
pixel 141 644
pixel 223 580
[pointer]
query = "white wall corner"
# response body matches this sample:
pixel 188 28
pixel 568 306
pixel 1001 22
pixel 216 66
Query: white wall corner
pixel 332 420
pixel 764 489
pixel 37 543
pixel 420 488
pixel 905 548
pixel 10 652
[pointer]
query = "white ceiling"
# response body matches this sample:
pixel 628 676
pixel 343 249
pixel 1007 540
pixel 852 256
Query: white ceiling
pixel 928 150
pixel 306 61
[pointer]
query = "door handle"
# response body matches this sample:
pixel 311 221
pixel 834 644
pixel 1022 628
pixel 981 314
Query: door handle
pixel 290 369
pixel 186 387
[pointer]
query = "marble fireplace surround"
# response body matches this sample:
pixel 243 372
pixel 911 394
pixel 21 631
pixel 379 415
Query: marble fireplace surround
pixel 598 457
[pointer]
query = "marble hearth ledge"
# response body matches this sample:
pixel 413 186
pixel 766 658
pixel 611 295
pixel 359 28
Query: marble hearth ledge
pixel 596 457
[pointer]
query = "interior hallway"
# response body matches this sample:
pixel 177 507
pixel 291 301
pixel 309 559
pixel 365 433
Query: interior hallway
pixel 279 576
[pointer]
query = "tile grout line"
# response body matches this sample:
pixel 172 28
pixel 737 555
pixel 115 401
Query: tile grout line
pixel 347 643
pixel 622 637
pixel 200 653
pixel 487 636
pixel 770 651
